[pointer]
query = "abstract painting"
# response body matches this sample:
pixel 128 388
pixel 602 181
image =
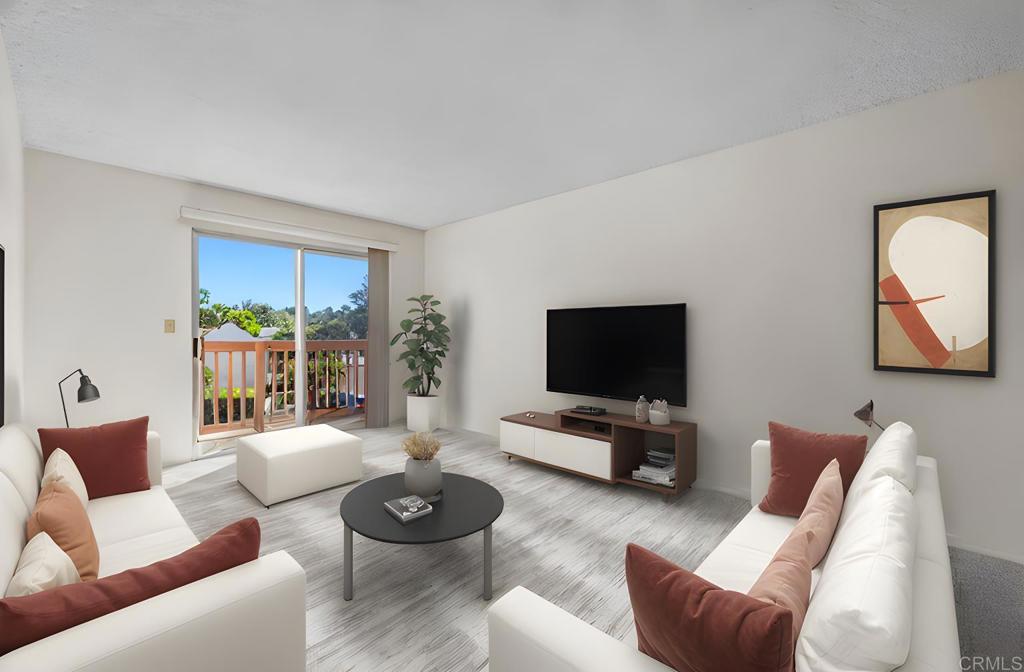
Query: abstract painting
pixel 934 285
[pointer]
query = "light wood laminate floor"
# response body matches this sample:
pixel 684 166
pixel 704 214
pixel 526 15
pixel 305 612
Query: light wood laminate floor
pixel 419 607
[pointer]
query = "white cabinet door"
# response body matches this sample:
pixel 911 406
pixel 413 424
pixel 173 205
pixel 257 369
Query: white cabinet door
pixel 587 456
pixel 516 439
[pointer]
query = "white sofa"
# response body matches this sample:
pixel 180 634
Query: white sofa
pixel 528 633
pixel 250 617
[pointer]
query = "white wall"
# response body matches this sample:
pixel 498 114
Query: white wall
pixel 12 239
pixel 111 260
pixel 770 245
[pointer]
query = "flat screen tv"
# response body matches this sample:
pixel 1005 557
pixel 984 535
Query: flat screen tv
pixel 619 352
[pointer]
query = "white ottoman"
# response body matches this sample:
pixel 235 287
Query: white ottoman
pixel 293 462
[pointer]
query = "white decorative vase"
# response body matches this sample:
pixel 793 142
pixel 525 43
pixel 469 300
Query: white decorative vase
pixel 422 414
pixel 423 478
pixel 660 417
pixel 643 409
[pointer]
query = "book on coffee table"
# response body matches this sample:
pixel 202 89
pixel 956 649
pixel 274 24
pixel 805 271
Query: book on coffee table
pixel 408 508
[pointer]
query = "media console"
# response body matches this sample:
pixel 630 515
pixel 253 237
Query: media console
pixel 606 448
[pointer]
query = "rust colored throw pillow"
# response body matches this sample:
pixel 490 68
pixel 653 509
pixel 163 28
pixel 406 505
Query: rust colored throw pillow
pixel 692 625
pixel 59 513
pixel 798 458
pixel 110 457
pixel 27 619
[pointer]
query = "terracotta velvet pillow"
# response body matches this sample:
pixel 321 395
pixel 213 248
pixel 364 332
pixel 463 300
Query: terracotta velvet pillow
pixel 798 458
pixel 27 619
pixel 692 625
pixel 59 513
pixel 110 457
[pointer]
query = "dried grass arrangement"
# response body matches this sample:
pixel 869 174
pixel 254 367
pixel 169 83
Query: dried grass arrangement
pixel 421 446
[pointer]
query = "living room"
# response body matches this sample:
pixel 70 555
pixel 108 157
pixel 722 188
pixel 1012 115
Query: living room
pixel 776 222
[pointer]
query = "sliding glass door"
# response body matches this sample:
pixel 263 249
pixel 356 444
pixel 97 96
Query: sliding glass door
pixel 261 365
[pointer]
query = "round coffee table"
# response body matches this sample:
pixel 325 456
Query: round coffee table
pixel 467 507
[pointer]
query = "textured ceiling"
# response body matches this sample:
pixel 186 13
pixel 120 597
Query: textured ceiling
pixel 424 112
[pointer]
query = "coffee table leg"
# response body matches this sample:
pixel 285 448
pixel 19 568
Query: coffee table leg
pixel 348 562
pixel 487 562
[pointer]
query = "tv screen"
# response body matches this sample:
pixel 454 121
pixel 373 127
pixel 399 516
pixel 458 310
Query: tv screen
pixel 619 353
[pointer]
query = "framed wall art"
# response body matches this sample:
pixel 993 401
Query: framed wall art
pixel 934 285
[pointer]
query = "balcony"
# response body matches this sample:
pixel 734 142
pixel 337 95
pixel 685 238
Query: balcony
pixel 249 386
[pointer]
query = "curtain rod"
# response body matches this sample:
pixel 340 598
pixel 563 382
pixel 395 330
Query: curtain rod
pixel 281 228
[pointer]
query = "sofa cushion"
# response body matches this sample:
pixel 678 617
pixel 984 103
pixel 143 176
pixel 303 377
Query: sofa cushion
pixel 798 458
pixel 693 625
pixel 20 461
pixel 131 515
pixel 32 617
pixel 60 467
pixel 740 558
pixel 893 454
pixel 13 517
pixel 60 514
pixel 861 614
pixel 43 565
pixel 145 550
pixel 112 457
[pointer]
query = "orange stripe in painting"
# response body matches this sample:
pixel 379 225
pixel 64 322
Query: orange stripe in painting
pixel 914 325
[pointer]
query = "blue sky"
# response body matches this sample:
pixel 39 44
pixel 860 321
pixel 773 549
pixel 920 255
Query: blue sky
pixel 234 271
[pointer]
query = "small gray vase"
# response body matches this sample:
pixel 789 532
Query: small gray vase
pixel 423 478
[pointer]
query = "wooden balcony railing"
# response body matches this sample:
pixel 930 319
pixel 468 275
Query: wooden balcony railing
pixel 251 384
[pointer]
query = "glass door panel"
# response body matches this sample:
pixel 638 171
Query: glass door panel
pixel 335 290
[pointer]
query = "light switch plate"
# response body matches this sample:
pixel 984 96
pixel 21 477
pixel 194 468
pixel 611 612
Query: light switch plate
pixel 168 326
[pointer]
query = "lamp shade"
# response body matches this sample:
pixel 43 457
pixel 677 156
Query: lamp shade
pixel 86 390
pixel 866 413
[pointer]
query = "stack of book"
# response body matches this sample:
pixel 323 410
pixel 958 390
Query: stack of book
pixel 659 468
pixel 405 509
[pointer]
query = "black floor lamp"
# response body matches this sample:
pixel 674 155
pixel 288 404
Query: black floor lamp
pixel 86 392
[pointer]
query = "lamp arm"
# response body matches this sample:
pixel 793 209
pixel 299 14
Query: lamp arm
pixel 878 425
pixel 61 389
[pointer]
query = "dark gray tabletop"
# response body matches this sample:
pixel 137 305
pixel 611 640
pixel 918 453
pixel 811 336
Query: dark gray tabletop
pixel 468 506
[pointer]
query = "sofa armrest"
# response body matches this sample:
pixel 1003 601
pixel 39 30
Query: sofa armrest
pixel 154 459
pixel 526 632
pixel 250 617
pixel 760 470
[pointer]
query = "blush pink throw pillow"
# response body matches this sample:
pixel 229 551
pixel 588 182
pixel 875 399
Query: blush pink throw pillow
pixel 786 581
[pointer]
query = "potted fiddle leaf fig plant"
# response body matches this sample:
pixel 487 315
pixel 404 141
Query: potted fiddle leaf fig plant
pixel 426 339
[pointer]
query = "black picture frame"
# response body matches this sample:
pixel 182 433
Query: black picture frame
pixel 877 304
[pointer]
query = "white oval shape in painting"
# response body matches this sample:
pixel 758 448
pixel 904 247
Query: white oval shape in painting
pixel 935 255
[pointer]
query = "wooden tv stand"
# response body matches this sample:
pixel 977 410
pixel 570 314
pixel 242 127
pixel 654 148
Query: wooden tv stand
pixel 606 448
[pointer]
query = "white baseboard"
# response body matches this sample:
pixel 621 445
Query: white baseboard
pixel 952 540
pixel 735 492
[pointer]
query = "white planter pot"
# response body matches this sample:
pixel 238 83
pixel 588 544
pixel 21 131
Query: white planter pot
pixel 422 414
